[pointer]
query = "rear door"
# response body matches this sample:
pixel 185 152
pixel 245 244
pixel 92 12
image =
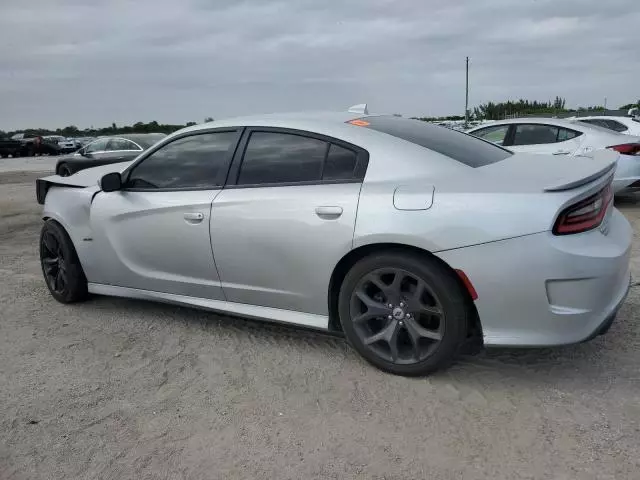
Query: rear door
pixel 541 138
pixel 154 233
pixel 286 217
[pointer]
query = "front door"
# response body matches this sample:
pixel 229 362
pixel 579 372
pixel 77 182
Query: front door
pixel 278 233
pixel 154 233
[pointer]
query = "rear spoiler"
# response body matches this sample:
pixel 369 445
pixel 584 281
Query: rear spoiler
pixel 611 159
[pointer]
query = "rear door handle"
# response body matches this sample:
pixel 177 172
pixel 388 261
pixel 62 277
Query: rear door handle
pixel 328 213
pixel 194 217
pixel 562 152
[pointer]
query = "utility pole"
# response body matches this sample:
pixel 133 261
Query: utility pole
pixel 605 104
pixel 466 101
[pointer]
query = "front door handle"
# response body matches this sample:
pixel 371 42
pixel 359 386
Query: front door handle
pixel 561 152
pixel 328 213
pixel 194 217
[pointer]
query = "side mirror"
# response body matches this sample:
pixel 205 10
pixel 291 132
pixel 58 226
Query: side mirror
pixel 111 182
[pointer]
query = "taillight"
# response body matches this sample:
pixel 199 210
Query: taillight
pixel 627 148
pixel 585 215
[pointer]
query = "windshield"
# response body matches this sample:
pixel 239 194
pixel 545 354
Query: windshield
pixel 464 148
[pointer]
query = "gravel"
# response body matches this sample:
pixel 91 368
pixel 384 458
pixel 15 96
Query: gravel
pixel 123 389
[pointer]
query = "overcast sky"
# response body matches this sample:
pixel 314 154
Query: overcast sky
pixel 76 62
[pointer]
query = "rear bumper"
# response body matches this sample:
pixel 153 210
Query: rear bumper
pixel 544 290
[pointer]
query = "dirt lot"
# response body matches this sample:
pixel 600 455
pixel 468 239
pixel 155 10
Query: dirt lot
pixel 118 389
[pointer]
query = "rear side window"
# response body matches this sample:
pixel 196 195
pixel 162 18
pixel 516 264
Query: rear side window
pixel 533 134
pixel 565 134
pixel 617 126
pixel 340 164
pixel 285 158
pixel 281 158
pixel 459 146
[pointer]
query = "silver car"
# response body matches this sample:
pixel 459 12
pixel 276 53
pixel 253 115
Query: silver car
pixel 410 238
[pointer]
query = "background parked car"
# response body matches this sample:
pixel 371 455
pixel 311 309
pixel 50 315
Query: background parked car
pixel 9 146
pixel 107 150
pixel 628 125
pixel 563 137
pixel 33 144
pixel 68 145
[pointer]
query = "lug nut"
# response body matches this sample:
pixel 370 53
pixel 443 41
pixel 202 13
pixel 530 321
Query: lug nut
pixel 408 315
pixel 390 305
pixel 401 304
pixel 390 317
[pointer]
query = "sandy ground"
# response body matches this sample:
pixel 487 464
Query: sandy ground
pixel 120 389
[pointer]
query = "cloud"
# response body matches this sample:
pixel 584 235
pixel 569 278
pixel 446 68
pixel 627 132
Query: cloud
pixel 77 62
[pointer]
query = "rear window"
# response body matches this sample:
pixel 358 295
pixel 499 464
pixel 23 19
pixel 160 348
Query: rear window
pixel 459 146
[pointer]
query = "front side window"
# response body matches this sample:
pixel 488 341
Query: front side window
pixel 120 144
pixel 197 161
pixel 534 134
pixel 272 157
pixel 99 145
pixel 495 134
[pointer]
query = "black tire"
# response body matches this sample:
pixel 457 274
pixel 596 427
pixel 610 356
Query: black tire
pixel 61 268
pixel 444 316
pixel 64 170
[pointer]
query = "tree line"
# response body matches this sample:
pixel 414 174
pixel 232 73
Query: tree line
pixel 522 107
pixel 485 111
pixel 113 129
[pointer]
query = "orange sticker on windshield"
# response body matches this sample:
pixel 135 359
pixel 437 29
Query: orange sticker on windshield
pixel 359 123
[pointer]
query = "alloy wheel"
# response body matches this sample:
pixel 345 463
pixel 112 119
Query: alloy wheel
pixel 53 263
pixel 397 316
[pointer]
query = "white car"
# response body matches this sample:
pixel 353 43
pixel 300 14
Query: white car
pixel 567 138
pixel 626 125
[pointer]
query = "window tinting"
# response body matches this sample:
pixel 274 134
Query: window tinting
pixel 459 146
pixel 189 162
pixel 616 126
pixel 494 134
pixel 281 158
pixel 118 144
pixel 565 134
pixel 534 134
pixel 340 164
pixel 99 145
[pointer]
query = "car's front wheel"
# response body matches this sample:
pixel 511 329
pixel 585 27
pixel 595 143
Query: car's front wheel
pixel 406 314
pixel 60 265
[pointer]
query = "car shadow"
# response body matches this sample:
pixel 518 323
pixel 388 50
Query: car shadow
pixel 593 361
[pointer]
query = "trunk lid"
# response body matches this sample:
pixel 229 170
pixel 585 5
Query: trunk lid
pixel 534 173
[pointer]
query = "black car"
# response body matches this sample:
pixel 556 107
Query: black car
pixel 105 150
pixel 28 145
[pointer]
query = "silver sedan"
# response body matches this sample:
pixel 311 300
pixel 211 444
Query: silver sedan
pixel 411 239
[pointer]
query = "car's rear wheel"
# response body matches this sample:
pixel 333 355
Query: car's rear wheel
pixel 60 265
pixel 64 170
pixel 406 314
